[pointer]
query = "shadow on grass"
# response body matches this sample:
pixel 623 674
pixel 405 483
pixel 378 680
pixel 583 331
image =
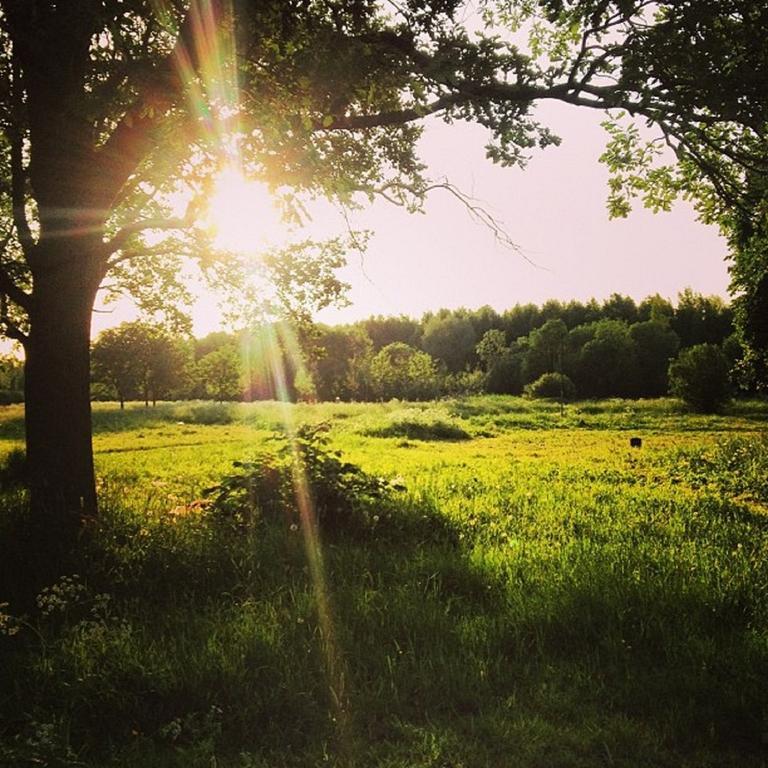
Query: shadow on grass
pixel 185 639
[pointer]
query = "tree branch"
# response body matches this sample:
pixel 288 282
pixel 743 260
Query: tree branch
pixel 120 239
pixel 11 330
pixel 122 152
pixel 392 117
pixel 18 174
pixel 7 284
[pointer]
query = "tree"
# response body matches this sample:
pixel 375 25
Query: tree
pixel 701 319
pixel 138 359
pixel 618 307
pixel 655 345
pixel 268 369
pixel 165 360
pixel 575 313
pixel 520 320
pixel 545 349
pixel 708 56
pixel 655 308
pixel 606 365
pixel 211 342
pixel 115 362
pixel 107 107
pixel 551 385
pixel 484 319
pixel 451 339
pixel 219 372
pixel 491 348
pixel 401 371
pixel 700 377
pixel 11 380
pixel 502 365
pixel 342 370
pixel 387 330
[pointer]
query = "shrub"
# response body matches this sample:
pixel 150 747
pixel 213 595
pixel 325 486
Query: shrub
pixel 13 468
pixel 401 371
pixel 206 414
pixel 420 427
pixel 700 377
pixel 342 496
pixel 555 385
pixel 463 383
pixel 11 396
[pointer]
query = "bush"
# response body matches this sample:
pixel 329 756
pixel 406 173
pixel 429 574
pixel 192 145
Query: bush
pixel 342 496
pixel 555 385
pixel 401 371
pixel 206 414
pixel 13 468
pixel 11 397
pixel 700 377
pixel 420 426
pixel 463 383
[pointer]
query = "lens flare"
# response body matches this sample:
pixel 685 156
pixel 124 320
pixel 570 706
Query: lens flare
pixel 280 346
pixel 242 214
pixel 208 68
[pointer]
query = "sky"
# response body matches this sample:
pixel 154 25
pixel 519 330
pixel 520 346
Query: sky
pixel 554 211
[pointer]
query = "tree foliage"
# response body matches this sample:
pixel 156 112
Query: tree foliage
pixel 655 345
pixel 707 59
pixel 343 368
pixel 491 348
pixel 604 356
pixel 451 339
pixel 546 346
pixel 139 360
pixel 11 380
pixel 607 364
pixel 220 373
pixel 699 377
pixel 551 385
pixel 403 372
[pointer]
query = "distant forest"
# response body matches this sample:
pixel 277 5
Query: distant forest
pixel 617 348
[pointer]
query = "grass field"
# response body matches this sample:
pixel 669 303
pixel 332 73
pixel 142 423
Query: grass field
pixel 531 591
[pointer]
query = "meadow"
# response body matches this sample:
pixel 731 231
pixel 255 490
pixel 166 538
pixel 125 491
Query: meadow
pixel 489 581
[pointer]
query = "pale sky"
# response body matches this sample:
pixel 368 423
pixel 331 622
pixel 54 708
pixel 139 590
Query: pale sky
pixel 554 211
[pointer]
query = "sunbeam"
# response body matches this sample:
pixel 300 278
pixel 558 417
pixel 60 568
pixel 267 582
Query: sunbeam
pixel 279 345
pixel 244 219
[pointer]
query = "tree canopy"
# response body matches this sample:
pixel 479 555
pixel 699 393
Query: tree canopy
pixel 327 97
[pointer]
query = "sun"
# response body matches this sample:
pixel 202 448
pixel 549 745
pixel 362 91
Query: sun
pixel 242 214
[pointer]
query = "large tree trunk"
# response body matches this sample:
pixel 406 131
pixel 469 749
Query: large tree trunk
pixel 58 408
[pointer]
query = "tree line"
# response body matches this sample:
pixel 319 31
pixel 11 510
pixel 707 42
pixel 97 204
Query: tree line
pixel 617 348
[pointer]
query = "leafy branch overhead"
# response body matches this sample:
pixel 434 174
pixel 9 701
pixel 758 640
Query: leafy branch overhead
pixel 327 98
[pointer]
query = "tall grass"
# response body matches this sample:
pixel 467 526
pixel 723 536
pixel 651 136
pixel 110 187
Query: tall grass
pixel 539 597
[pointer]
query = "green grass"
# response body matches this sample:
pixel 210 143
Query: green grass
pixel 540 594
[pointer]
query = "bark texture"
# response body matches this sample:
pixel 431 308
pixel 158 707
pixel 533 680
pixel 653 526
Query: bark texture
pixel 57 382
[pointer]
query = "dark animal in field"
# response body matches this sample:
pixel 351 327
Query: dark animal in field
pixel 635 442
